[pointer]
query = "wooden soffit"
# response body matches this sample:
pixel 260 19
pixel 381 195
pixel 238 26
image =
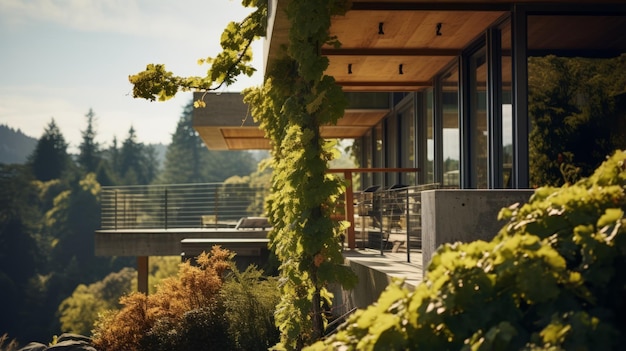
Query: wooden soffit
pixel 226 124
pixel 398 47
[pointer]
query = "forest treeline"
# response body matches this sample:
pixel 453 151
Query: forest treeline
pixel 50 208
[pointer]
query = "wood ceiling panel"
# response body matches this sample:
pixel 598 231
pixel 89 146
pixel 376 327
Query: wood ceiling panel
pixel 385 68
pixel 362 118
pixel 410 29
pixel 247 144
pixel 343 132
pixel 242 132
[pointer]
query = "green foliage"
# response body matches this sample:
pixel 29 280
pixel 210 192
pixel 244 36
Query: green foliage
pixel 156 83
pixel 79 312
pixel 249 300
pixel 552 279
pixel 159 268
pixel 577 109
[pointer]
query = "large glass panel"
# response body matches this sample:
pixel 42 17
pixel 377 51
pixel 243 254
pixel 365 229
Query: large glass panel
pixel 391 149
pixel 378 152
pixel 407 149
pixel 507 105
pixel 478 120
pixel 576 94
pixel 450 115
pixel 429 169
pixel 368 161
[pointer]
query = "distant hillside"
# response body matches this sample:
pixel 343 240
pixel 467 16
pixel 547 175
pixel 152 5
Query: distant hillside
pixel 15 146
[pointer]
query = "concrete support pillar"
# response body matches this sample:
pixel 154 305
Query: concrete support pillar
pixel 463 216
pixel 142 274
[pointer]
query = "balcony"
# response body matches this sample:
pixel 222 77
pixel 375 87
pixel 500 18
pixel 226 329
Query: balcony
pixel 186 218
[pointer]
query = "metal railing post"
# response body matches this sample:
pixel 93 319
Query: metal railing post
pixel 408 226
pixel 165 208
pixel 115 210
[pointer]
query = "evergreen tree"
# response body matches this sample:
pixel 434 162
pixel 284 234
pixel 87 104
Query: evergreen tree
pixel 89 157
pixel 50 158
pixel 20 255
pixel 186 154
pixel 137 163
pixel 187 160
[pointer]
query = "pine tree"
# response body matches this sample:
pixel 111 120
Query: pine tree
pixel 187 160
pixel 136 163
pixel 89 157
pixel 185 154
pixel 50 158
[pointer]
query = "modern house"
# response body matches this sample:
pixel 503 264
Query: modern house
pixel 441 87
pixel 439 94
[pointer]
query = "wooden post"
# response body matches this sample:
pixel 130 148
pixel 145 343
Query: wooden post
pixel 142 274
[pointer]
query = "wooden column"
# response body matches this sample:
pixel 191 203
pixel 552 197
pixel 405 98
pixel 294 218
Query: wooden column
pixel 142 274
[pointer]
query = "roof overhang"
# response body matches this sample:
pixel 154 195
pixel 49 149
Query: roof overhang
pixel 226 124
pixel 399 46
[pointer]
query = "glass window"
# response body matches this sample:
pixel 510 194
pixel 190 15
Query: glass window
pixel 407 144
pixel 450 116
pixel 391 149
pixel 507 105
pixel 429 167
pixel 377 148
pixel 576 99
pixel 478 120
pixel 368 161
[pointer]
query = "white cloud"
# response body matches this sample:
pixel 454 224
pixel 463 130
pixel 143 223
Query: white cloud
pixel 151 18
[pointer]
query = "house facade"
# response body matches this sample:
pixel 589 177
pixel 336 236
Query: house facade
pixel 442 86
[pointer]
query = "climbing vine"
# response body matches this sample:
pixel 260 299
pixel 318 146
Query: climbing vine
pixel 295 100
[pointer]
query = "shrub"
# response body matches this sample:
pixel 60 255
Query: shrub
pixel 143 319
pixel 249 301
pixel 552 279
pixel 209 305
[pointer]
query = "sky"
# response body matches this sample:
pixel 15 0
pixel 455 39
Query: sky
pixel 60 58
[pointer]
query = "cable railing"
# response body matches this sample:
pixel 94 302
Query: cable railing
pixel 389 219
pixel 180 205
pixel 385 219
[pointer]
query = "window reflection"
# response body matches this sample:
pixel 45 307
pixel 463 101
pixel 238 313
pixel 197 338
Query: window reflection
pixel 450 115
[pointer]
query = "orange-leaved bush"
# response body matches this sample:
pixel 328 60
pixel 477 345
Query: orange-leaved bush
pixel 144 321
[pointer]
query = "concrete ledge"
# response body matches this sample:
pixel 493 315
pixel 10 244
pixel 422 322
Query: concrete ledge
pixel 242 247
pixel 375 273
pixel 161 242
pixel 463 215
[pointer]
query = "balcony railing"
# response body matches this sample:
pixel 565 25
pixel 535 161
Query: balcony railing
pixel 179 206
pixel 385 219
pixel 390 219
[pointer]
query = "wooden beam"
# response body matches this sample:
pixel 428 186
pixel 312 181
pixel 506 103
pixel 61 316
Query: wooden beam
pixel 392 52
pixel 430 6
pixel 384 83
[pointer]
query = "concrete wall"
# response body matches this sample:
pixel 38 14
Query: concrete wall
pixel 463 215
